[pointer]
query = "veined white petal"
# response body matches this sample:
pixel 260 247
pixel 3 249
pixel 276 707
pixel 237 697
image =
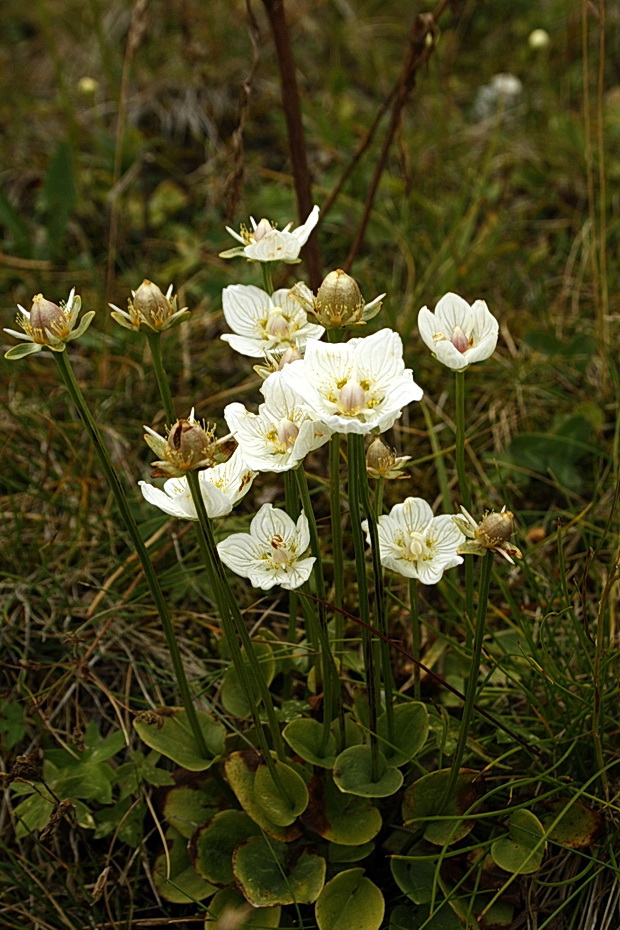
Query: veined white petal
pixel 302 233
pixel 244 306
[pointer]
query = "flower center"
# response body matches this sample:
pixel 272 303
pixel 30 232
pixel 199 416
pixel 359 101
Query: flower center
pixel 262 229
pixel 287 432
pixel 277 324
pixel 459 340
pixel 415 545
pixel 279 554
pixel 351 397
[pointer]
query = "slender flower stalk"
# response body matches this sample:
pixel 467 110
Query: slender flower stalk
pixel 336 534
pixel 414 608
pixel 472 678
pixel 77 397
pixel 465 493
pixel 154 341
pixel 357 474
pixel 265 268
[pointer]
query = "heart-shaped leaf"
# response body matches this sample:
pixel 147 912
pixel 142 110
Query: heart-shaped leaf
pixel 353 774
pixel 415 879
pixel 186 808
pixel 168 731
pixel 425 798
pixel 230 909
pixel 212 846
pixel 340 818
pixel 522 850
pixel 306 737
pixel 410 732
pixel 577 827
pixel 282 795
pixel 181 884
pixel 241 768
pixel 350 902
pixel 271 873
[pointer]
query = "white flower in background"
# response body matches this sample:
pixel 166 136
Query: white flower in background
pixel 538 38
pixel 265 243
pixel 416 544
pixel 48 325
pixel 281 434
pixel 272 552
pixel 262 324
pixel 357 386
pixel 458 334
pixel 221 487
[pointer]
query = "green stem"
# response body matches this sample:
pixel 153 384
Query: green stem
pixel 77 397
pixel 472 678
pixel 372 679
pixel 465 493
pixel 265 267
pixel 379 487
pixel 154 341
pixel 336 530
pixel 414 608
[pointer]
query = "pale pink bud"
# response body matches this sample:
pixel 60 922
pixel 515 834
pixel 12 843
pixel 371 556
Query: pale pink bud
pixel 151 305
pixel 459 340
pixel 292 354
pixel 287 432
pixel 45 315
pixel 262 229
pixel 352 397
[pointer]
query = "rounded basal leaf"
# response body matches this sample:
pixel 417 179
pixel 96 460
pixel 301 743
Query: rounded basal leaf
pixel 271 873
pixel 340 818
pixel 523 849
pixel 168 731
pixel 578 826
pixel 241 768
pixel 182 884
pixel 212 846
pixel 307 738
pixel 337 853
pixel 350 902
pixel 409 736
pixel 284 799
pixel 415 879
pixel 229 909
pixel 185 809
pixel 232 694
pixel 353 774
pixel 424 799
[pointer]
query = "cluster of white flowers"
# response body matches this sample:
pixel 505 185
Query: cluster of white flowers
pixel 318 389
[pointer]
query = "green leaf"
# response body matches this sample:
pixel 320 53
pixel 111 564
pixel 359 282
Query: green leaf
pixel 350 902
pixel 282 800
pixel 425 798
pixel 353 774
pixel 306 738
pixel 241 768
pixel 32 814
pixel 270 873
pixel 182 885
pixel 233 694
pixel 231 907
pixel 410 733
pixel 578 826
pixel 172 736
pixel 12 723
pixel 338 817
pixel 415 879
pixel 186 809
pixel 521 852
pixel 212 846
pixel 90 781
pixel 103 749
pixel 337 853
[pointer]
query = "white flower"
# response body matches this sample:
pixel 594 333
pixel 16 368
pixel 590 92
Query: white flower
pixel 458 334
pixel 272 552
pixel 262 324
pixel 281 434
pixel 416 544
pixel 221 487
pixel 265 243
pixel 48 325
pixel 357 386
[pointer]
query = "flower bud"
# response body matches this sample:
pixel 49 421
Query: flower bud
pixel 538 38
pixel 287 432
pixel 150 307
pixel 339 300
pixel 188 447
pixel 277 324
pixel 47 318
pixel 49 325
pixel 495 528
pixel 382 462
pixel 291 354
pixel 352 397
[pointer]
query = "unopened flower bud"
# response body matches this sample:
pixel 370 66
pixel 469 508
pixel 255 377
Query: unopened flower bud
pixel 287 432
pixel 459 340
pixel 495 528
pixel 48 325
pixel 351 397
pixel 292 354
pixel 151 308
pixel 382 462
pixel 262 229
pixel 87 85
pixel 188 447
pixel 339 300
